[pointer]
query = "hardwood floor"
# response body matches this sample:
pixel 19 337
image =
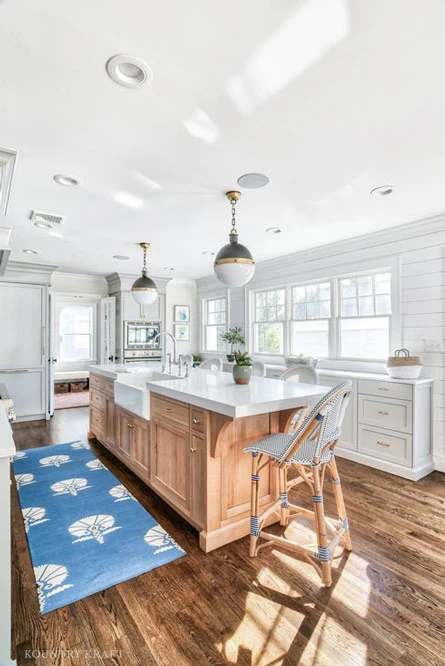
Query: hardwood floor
pixel 386 605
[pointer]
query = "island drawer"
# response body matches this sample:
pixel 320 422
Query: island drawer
pixel 385 413
pixel 175 411
pixel 98 399
pixel 102 383
pixel 97 422
pixel 378 443
pixel 197 419
pixel 385 389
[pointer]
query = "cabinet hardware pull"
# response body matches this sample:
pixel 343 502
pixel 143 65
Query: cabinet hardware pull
pixel 383 443
pixel 192 450
pixel 381 411
pixel 168 409
pixel 383 389
pixel 196 421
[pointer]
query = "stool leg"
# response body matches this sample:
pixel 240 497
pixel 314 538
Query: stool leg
pixel 284 510
pixel 340 502
pixel 254 506
pixel 323 554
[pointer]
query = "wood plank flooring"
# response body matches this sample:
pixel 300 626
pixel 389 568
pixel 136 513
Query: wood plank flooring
pixel 386 606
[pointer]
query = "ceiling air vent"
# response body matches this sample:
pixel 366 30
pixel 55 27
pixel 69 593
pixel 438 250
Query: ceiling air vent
pixel 8 159
pixel 46 218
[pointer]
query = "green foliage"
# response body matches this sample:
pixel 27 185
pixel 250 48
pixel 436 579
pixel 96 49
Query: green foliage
pixel 197 358
pixel 242 358
pixel 234 336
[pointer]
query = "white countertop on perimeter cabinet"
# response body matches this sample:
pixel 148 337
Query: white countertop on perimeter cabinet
pixel 217 392
pixel 372 375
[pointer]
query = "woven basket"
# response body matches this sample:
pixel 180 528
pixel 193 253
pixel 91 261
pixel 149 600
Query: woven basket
pixel 404 366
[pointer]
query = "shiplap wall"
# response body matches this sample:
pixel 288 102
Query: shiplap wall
pixel 416 249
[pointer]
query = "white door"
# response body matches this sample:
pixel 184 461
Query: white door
pixel 108 330
pixel 51 356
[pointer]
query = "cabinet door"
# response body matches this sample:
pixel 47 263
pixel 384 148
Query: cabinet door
pixel 27 389
pixel 23 325
pixel 197 451
pixel 141 445
pixel 349 435
pixel 170 463
pixel 124 437
pixel 110 422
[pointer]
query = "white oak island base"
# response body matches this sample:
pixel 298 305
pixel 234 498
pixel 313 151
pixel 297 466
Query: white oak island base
pixel 192 457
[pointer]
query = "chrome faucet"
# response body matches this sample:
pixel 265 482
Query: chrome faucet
pixel 172 339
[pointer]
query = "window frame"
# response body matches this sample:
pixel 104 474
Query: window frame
pixel 330 320
pixel 391 266
pixel 204 318
pixel 93 334
pixel 266 355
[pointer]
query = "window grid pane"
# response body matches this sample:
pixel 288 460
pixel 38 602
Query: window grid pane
pixel 312 301
pixel 215 324
pixel 76 324
pixel 365 295
pixel 269 315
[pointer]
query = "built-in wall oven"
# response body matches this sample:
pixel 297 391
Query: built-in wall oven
pixel 141 342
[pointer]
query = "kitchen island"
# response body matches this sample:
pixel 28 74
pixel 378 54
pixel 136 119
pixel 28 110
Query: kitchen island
pixel 190 449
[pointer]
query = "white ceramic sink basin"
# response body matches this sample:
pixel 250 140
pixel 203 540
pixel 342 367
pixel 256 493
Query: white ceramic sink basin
pixel 131 393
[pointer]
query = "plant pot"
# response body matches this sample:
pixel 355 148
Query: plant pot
pixel 230 357
pixel 242 374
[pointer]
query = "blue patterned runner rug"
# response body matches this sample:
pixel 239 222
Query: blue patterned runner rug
pixel 85 530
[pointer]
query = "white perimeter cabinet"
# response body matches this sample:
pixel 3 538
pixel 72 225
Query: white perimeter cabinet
pixel 24 339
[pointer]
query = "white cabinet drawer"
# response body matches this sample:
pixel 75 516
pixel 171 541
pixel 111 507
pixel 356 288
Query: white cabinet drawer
pixel 385 389
pixel 392 414
pixel 379 443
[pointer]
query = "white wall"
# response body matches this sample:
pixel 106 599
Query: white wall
pixel 182 292
pixel 418 249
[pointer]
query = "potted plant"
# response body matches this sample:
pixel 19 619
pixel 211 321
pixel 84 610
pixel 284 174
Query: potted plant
pixel 301 359
pixel 197 358
pixel 234 336
pixel 242 370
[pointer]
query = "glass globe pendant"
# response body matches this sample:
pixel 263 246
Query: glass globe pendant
pixel 144 290
pixel 234 265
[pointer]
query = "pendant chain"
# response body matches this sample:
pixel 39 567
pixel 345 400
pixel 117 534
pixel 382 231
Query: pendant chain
pixel 233 230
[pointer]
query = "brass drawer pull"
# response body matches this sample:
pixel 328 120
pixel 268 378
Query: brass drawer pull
pixel 196 421
pixel 383 443
pixel 383 412
pixel 168 409
pixel 130 425
pixel 381 388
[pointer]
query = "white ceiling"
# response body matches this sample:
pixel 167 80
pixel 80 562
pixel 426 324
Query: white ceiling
pixel 329 98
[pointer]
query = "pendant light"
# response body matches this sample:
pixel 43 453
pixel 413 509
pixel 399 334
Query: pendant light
pixel 234 265
pixel 144 290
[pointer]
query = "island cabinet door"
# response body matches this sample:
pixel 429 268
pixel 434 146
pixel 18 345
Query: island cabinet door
pixel 170 463
pixel 124 427
pixel 110 423
pixel 141 446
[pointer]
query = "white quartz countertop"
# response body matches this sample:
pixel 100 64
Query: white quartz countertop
pixel 113 370
pixel 372 375
pixel 7 446
pixel 218 392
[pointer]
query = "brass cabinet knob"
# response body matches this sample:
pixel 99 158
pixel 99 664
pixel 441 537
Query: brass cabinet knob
pixel 196 421
pixel 192 450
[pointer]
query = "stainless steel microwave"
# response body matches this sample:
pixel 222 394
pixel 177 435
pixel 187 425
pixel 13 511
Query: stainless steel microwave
pixel 142 335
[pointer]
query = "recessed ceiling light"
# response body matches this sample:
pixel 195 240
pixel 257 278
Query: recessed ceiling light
pixel 30 251
pixel 209 253
pixel 121 257
pixel 66 181
pixel 129 71
pixel 253 181
pixel 273 230
pixel 382 191
pixel 168 268
pixel 42 225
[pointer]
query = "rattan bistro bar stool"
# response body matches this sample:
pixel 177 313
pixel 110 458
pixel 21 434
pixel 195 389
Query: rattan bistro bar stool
pixel 309 450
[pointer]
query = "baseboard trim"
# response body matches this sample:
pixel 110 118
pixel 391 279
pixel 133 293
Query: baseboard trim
pixel 439 462
pixel 385 466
